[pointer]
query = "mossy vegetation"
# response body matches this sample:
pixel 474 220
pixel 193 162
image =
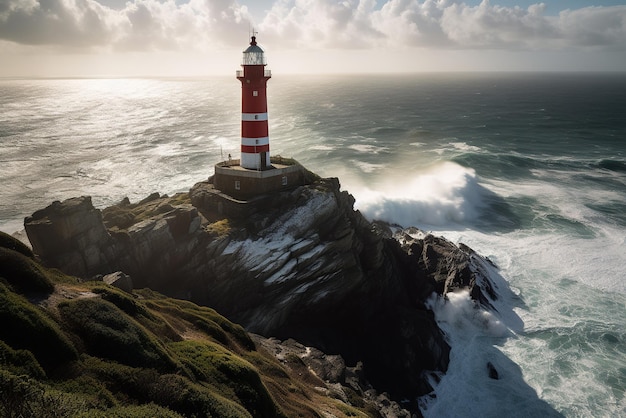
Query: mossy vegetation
pixel 123 300
pixel 22 273
pixel 7 241
pixel 27 327
pixel 20 362
pixel 206 320
pixel 309 176
pixel 108 333
pixel 220 228
pixel 125 214
pixel 234 377
pixel 91 350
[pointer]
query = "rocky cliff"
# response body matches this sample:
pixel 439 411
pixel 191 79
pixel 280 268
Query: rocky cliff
pixel 301 264
pixel 73 349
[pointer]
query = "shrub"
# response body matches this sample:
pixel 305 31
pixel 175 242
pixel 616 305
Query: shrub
pixel 21 396
pixel 18 395
pixel 119 298
pixel 132 411
pixel 133 307
pixel 219 228
pixel 23 273
pixel 24 326
pixel 7 241
pixel 173 391
pixel 89 388
pixel 190 399
pixel 20 362
pixel 268 367
pixel 107 332
pixel 228 372
pixel 57 276
pixel 207 320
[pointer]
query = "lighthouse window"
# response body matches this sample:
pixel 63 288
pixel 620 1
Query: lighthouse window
pixel 237 185
pixel 256 141
pixel 256 117
pixel 284 180
pixel 255 93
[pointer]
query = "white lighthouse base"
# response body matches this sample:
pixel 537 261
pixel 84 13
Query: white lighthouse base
pixel 256 161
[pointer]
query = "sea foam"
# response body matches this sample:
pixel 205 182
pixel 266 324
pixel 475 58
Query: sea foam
pixel 481 380
pixel 441 194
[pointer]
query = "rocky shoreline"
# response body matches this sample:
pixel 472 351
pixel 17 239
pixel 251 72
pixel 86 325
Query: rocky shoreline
pixel 302 266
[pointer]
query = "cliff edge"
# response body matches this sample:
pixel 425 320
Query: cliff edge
pixel 300 264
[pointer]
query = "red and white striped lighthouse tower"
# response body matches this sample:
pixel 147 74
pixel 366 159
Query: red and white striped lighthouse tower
pixel 255 140
pixel 255 174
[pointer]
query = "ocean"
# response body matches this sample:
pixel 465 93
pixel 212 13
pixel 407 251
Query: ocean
pixel 528 169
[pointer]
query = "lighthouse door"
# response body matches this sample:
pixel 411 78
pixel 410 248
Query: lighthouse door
pixel 263 160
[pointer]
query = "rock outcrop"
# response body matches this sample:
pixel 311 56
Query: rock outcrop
pixel 72 237
pixel 336 380
pixel 307 266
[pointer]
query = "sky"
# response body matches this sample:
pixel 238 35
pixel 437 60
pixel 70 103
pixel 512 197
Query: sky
pixel 101 38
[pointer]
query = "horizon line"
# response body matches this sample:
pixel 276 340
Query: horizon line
pixel 325 74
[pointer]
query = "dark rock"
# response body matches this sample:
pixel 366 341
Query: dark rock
pixel 120 280
pixel 300 264
pixel 72 237
pixel 335 379
pixel 446 266
pixel 493 373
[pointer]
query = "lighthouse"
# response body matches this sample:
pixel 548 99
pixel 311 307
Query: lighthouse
pixel 255 140
pixel 254 177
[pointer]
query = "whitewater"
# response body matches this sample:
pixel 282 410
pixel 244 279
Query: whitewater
pixel 529 170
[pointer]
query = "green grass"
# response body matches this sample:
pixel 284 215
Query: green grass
pixel 92 350
pixel 234 377
pixel 20 362
pixel 23 273
pixel 133 306
pixel 174 391
pixel 107 332
pixel 206 319
pixel 7 241
pixel 21 396
pixel 125 301
pixel 24 326
pixel 132 411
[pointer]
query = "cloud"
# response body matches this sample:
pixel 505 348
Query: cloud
pixel 440 23
pixel 322 24
pixel 140 25
pixel 412 23
pixel 487 26
pixel 54 22
pixel 147 25
pixel 594 26
pixel 497 27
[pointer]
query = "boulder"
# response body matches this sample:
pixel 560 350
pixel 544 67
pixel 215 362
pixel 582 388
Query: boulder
pixel 72 237
pixel 120 280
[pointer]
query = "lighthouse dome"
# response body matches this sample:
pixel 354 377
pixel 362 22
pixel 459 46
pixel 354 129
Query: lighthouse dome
pixel 253 55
